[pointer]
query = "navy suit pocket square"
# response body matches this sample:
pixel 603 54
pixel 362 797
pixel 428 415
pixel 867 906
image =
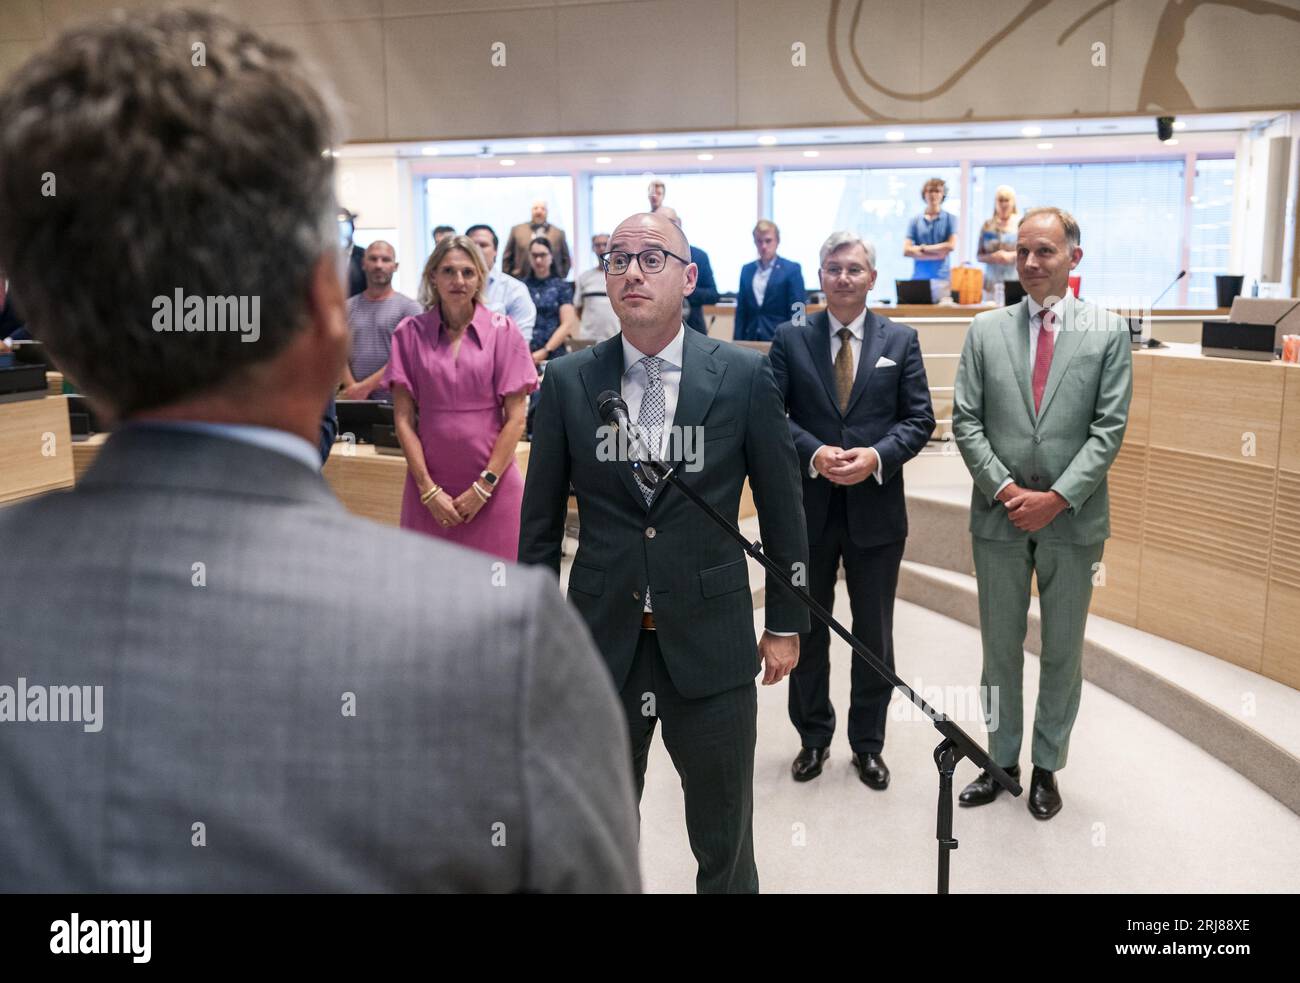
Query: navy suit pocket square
pixel 884 361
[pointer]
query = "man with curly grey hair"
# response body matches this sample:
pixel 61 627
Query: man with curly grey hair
pixel 166 186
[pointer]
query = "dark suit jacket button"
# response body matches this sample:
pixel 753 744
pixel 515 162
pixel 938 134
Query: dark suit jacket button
pixel 636 595
pixel 1033 478
pixel 1037 439
pixel 650 533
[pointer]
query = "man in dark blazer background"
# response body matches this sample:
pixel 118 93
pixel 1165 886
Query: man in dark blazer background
pixel 859 404
pixel 663 589
pixel 706 288
pixel 770 287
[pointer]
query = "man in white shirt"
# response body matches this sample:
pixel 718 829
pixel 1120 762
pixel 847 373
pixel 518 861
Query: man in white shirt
pixel 591 300
pixel 505 295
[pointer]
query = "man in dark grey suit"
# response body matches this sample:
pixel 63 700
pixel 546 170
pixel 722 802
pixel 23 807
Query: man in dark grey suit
pixel 256 690
pixel 664 590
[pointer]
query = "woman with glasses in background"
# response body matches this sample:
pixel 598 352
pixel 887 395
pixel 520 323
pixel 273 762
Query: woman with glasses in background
pixel 553 297
pixel 460 378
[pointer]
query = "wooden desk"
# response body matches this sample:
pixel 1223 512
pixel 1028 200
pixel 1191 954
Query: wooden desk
pixel 1205 509
pixel 942 327
pixel 367 483
pixel 35 445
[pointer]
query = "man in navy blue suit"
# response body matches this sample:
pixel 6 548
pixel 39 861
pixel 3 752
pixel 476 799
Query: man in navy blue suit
pixel 706 288
pixel 770 287
pixel 859 405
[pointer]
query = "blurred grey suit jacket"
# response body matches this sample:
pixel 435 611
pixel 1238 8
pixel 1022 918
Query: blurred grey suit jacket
pixel 487 752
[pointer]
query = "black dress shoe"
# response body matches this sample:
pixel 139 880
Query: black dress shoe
pixel 985 788
pixel 872 770
pixel 808 763
pixel 1044 799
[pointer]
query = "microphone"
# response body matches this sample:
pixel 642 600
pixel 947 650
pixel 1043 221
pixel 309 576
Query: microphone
pixel 613 412
pixel 1167 289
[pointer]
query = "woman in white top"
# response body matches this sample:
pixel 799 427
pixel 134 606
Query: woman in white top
pixel 997 250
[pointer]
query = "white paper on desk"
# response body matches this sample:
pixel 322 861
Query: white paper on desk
pixel 885 360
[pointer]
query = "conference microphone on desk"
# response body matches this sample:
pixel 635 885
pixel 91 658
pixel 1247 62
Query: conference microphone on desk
pixel 1135 323
pixel 1181 274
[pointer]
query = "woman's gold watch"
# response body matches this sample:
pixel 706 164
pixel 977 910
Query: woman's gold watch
pixel 489 477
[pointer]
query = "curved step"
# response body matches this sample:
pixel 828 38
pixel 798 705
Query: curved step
pixel 1249 722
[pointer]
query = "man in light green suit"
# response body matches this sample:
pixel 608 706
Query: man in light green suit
pixel 1041 403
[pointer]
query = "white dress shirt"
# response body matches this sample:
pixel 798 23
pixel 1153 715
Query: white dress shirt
pixel 634 385
pixel 508 296
pixel 635 381
pixel 856 330
pixel 1035 308
pixel 761 276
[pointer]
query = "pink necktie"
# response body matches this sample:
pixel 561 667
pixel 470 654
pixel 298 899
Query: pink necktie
pixel 1043 358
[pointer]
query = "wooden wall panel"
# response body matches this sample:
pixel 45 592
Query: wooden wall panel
pixel 1205 551
pixel 1207 405
pixel 1282 629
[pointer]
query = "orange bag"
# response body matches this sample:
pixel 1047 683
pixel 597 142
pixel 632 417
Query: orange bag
pixel 968 284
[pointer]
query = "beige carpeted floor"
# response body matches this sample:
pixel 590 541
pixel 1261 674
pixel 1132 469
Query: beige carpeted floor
pixel 1145 810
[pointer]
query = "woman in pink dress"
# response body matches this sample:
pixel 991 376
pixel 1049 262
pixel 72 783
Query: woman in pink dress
pixel 460 378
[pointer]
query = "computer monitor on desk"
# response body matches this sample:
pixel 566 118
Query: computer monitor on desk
pixel 359 417
pixel 914 291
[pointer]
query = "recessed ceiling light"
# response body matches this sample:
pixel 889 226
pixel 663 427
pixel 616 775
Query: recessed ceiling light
pixel 1044 146
pixel 1171 143
pixel 812 153
pixel 649 144
pixel 1031 131
pixel 767 140
pixel 604 160
pixel 925 150
pixel 536 148
pixel 1179 124
pixel 704 156
pixel 429 151
pixel 895 135
pixel 507 163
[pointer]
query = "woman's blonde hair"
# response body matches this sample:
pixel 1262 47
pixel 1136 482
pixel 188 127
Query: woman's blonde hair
pixel 1005 189
pixel 428 295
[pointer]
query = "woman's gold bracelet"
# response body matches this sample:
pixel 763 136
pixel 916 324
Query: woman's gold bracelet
pixel 424 499
pixel 480 492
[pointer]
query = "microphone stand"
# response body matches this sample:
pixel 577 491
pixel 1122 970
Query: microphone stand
pixel 1155 342
pixel 956 743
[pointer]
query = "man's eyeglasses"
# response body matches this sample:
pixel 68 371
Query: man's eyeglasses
pixel 650 260
pixel 853 271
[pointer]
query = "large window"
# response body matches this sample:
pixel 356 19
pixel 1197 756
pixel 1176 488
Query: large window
pixel 718 211
pixel 877 204
pixel 1130 217
pixel 1210 237
pixel 501 202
